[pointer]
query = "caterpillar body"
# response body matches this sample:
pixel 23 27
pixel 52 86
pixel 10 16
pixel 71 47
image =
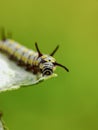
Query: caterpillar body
pixel 36 62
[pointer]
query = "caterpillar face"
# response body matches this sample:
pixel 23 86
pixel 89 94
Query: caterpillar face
pixel 46 65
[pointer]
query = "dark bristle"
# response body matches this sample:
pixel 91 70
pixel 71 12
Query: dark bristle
pixel 37 48
pixel 62 66
pixel 3 36
pixel 54 51
pixel 9 35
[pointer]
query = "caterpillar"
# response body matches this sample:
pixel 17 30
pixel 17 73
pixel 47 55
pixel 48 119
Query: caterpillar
pixel 35 62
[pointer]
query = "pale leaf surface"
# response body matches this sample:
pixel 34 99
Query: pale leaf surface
pixel 13 76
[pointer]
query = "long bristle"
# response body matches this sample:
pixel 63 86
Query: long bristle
pixel 37 48
pixel 54 51
pixel 62 66
pixel 2 33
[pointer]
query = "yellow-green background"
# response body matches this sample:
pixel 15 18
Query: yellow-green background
pixel 70 101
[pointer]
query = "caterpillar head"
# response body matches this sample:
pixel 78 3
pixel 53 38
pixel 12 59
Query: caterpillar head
pixel 47 63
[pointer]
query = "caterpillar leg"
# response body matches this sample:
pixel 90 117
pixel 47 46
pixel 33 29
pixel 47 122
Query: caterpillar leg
pixel 33 69
pixel 11 57
pixel 28 67
pixel 20 63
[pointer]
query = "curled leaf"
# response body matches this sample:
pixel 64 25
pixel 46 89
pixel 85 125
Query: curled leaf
pixel 13 76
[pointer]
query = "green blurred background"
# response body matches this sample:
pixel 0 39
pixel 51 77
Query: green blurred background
pixel 70 101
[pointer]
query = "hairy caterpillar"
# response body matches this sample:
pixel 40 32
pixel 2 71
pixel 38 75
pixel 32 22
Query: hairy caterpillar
pixel 35 62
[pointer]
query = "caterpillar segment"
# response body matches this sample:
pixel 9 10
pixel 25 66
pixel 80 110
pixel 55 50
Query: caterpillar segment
pixel 35 62
pixel 26 55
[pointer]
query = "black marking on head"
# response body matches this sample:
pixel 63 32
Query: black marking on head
pixel 54 50
pixel 47 72
pixel 37 48
pixel 61 66
pixel 42 61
